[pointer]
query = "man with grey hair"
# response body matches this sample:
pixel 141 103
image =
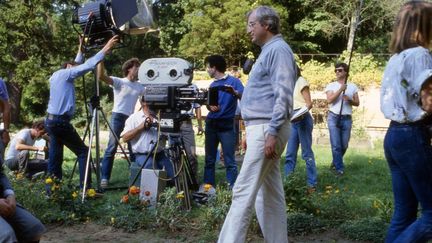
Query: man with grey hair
pixel 271 84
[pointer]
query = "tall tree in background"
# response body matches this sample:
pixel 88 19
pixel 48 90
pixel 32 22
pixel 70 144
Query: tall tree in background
pixel 335 19
pixel 215 27
pixel 34 36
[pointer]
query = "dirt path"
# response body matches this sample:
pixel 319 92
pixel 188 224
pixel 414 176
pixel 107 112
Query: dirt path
pixel 98 233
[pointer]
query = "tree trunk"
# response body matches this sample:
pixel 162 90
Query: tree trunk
pixel 352 31
pixel 15 93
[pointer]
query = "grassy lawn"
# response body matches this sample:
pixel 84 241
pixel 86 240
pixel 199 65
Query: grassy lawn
pixel 356 205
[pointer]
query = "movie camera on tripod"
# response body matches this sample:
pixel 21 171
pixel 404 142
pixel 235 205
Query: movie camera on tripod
pixel 168 90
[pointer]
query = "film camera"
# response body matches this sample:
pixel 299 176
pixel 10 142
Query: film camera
pixel 168 90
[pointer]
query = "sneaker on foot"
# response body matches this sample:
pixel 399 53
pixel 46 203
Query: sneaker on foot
pixel 339 173
pixel 104 183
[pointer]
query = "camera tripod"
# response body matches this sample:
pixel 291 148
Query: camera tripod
pixel 93 129
pixel 183 176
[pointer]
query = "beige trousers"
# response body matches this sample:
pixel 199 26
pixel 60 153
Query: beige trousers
pixel 259 183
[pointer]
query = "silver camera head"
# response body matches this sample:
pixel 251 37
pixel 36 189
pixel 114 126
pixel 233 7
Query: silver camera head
pixel 165 72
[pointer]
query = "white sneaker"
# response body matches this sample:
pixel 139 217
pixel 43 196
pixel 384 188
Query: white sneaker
pixel 104 183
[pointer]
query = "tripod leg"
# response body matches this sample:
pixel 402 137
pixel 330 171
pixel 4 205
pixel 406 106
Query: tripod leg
pixel 76 161
pixel 188 168
pixel 86 175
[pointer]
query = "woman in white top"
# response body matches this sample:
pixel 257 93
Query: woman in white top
pixel 406 101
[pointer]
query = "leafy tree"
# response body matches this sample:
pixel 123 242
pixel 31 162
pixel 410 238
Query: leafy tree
pixel 215 27
pixel 33 38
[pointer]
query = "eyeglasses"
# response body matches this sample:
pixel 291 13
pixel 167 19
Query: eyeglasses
pixel 251 24
pixel 339 70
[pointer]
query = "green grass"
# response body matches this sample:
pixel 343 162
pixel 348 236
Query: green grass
pixel 362 194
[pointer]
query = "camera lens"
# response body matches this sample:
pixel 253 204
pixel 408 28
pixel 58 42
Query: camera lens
pixel 150 73
pixel 173 73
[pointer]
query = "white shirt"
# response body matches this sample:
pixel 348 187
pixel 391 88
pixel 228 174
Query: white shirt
pixel 125 95
pixel 141 143
pixel 23 135
pixel 400 88
pixel 350 91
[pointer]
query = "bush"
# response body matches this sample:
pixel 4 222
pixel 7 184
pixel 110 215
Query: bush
pixel 303 224
pixel 366 229
pixel 296 197
pixel 365 71
pixel 216 209
pixel 169 212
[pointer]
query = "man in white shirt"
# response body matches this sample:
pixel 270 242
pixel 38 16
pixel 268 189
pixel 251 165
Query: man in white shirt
pixel 126 92
pixel 340 94
pixel 17 155
pixel 142 135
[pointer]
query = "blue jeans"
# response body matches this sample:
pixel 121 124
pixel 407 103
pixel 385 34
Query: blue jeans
pixel 162 161
pixel 61 132
pixel 409 155
pixel 117 124
pixel 220 131
pixel 301 133
pixel 340 132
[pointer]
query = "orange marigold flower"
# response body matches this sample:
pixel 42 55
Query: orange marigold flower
pixel 134 190
pixel 125 199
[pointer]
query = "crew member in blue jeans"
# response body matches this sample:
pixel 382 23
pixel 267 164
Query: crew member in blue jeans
pixel 126 91
pixel 406 100
pixel 219 126
pixel 340 123
pixel 301 133
pixel 61 107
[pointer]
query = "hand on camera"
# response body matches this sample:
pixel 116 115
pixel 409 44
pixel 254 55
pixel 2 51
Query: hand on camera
pixel 230 89
pixel 147 123
pixel 110 44
pixel 346 98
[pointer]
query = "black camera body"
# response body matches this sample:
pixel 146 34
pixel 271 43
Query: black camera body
pixel 168 91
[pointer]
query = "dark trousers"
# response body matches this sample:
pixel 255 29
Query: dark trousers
pixel 62 133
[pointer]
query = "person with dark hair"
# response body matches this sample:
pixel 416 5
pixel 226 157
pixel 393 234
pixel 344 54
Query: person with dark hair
pixel 266 106
pixel 18 153
pixel 219 127
pixel 340 94
pixel 143 136
pixel 16 223
pixel 126 91
pixel 301 133
pixel 61 108
pixel 406 100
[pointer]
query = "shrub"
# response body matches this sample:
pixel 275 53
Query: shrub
pixel 296 197
pixel 216 209
pixel 366 229
pixel 169 211
pixel 303 224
